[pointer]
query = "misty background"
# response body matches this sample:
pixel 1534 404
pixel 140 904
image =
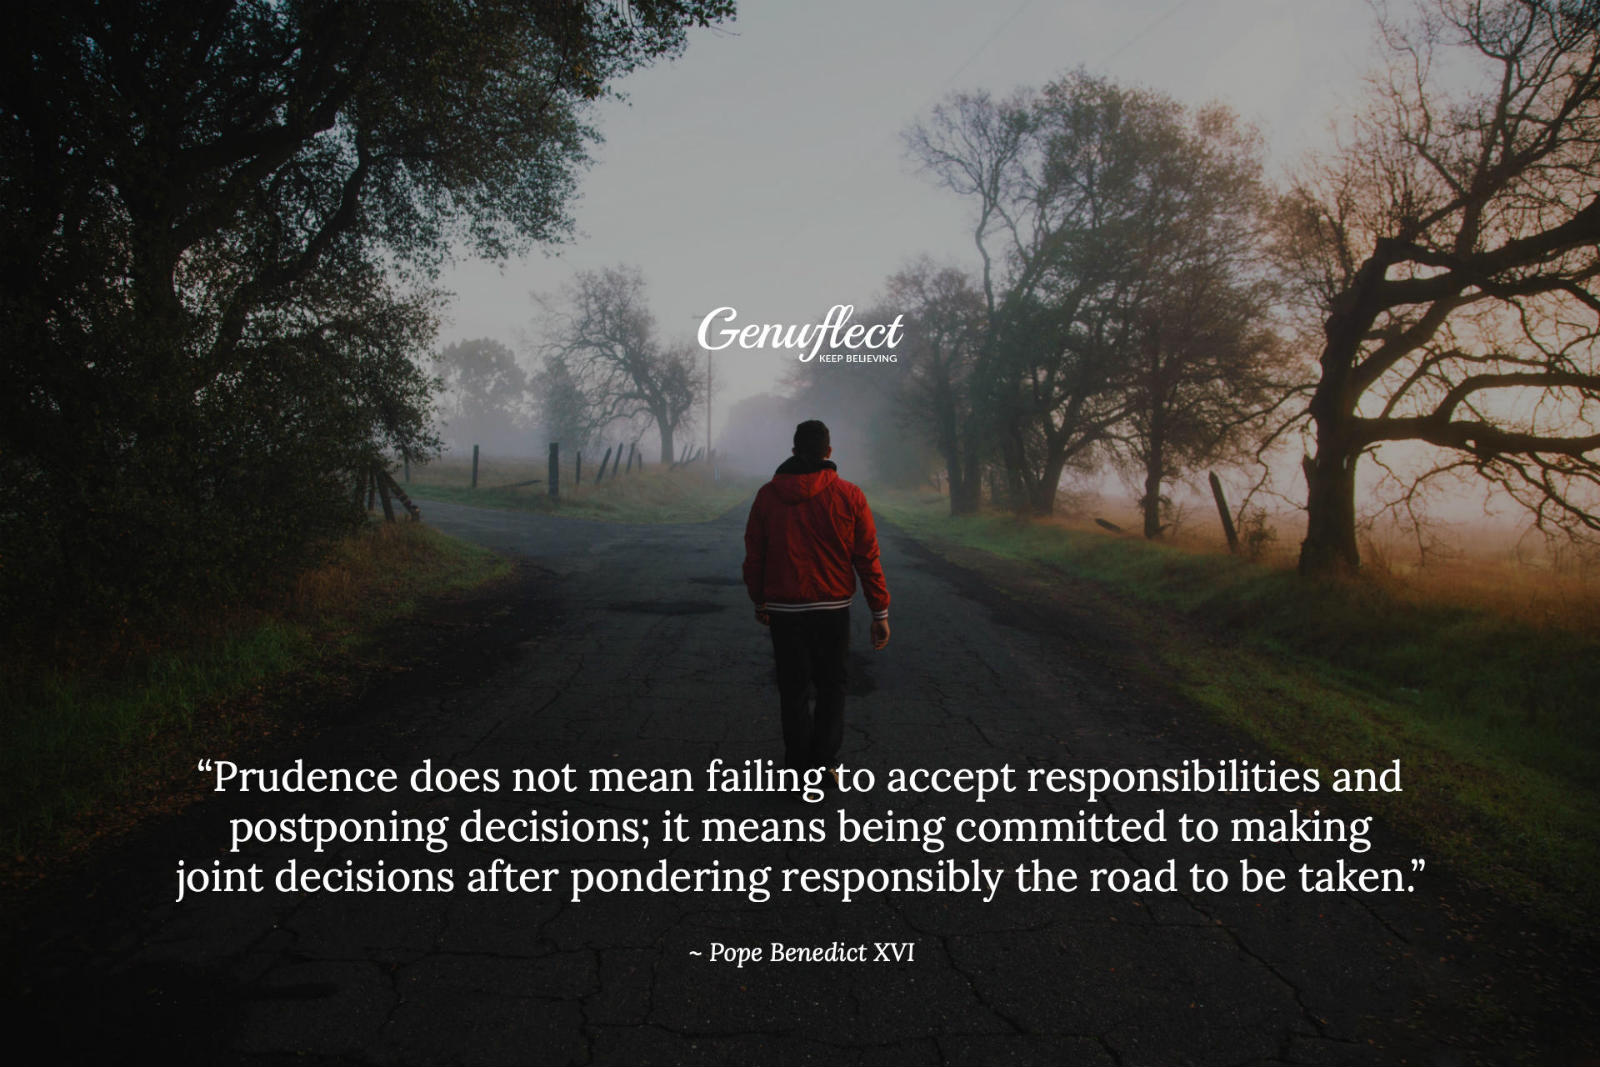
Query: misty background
pixel 767 171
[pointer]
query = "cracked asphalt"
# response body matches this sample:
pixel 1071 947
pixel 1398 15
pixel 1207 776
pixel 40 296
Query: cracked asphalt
pixel 632 646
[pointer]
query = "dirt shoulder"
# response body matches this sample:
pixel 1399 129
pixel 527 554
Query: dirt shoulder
pixel 1528 974
pixel 445 642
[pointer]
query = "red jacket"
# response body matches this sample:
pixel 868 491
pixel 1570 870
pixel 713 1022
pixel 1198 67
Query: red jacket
pixel 809 535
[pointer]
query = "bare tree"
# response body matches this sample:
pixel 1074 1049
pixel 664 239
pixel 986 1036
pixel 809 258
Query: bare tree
pixel 607 339
pixel 1451 248
pixel 974 145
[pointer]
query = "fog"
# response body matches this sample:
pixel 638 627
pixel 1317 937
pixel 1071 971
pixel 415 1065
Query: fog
pixel 764 170
pixel 767 171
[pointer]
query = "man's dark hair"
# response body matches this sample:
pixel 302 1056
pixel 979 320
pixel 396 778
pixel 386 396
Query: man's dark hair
pixel 811 440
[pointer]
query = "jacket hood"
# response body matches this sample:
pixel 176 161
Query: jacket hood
pixel 800 479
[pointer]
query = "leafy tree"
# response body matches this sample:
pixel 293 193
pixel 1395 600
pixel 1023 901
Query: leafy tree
pixel 1203 360
pixel 221 220
pixel 563 410
pixel 607 339
pixel 944 322
pixel 487 389
pixel 1090 198
pixel 1204 370
pixel 1450 251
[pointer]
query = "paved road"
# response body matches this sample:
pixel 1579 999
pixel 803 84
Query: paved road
pixel 636 648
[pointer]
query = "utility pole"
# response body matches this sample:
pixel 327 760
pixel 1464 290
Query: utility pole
pixel 709 458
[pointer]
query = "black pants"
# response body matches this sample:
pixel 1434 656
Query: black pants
pixel 811 648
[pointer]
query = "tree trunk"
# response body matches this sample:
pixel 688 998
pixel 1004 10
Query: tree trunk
pixel 1018 491
pixel 1154 466
pixel 969 498
pixel 1330 544
pixel 667 454
pixel 955 485
pixel 949 447
pixel 1152 502
pixel 1152 490
pixel 1042 494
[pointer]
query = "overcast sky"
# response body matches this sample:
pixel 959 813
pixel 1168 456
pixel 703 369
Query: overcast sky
pixel 765 170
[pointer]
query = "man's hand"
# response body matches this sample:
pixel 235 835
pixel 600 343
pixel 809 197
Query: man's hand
pixel 761 615
pixel 880 633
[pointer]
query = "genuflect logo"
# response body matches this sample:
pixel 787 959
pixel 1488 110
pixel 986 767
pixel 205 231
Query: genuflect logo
pixel 846 342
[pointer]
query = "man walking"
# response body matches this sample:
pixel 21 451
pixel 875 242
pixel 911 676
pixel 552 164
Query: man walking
pixel 809 535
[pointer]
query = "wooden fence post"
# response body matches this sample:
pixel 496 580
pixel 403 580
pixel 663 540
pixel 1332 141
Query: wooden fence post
pixel 555 469
pixel 602 471
pixel 577 469
pixel 381 477
pixel 405 501
pixel 474 466
pixel 633 446
pixel 1227 517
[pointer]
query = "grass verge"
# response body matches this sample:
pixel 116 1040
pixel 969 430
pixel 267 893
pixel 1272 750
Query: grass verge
pixel 80 745
pixel 688 494
pixel 1493 717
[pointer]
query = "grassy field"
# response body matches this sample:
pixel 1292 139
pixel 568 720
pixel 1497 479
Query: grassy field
pixel 1491 708
pixel 655 494
pixel 82 748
